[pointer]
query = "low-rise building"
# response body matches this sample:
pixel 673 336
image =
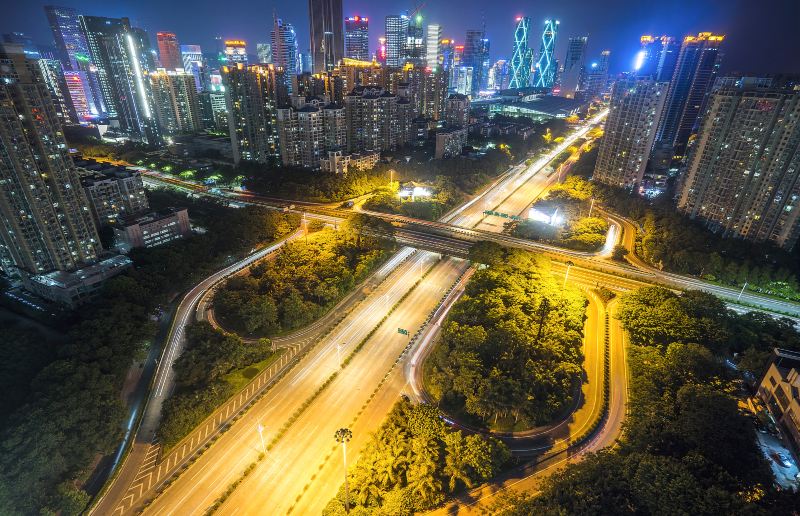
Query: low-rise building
pixel 780 391
pixel 450 141
pixel 339 163
pixel 153 229
pixel 76 287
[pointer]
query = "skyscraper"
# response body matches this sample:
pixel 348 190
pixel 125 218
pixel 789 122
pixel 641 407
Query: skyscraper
pixel 380 54
pixel 372 120
pixel 194 63
pixel 596 77
pixel 574 67
pixel 169 53
pixel 325 26
pixel 546 67
pixel 636 106
pixel 264 52
pixel 396 33
pixel 46 220
pixel 122 56
pixel 476 56
pixel 356 38
pixel 284 48
pixel 657 57
pixel 448 49
pixel 235 51
pixel 253 94
pixel 414 51
pixel 698 62
pixel 743 170
pixel 433 46
pixel 521 56
pixel 53 75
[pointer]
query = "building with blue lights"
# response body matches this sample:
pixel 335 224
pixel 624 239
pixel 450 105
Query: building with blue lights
pixel 522 56
pixel 546 65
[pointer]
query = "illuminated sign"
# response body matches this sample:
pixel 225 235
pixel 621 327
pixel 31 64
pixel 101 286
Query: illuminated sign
pixel 235 43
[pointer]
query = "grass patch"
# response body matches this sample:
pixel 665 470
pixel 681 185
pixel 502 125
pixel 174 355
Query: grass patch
pixel 239 378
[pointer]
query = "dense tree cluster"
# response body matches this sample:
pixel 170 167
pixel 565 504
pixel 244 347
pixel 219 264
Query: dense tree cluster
pixel 687 449
pixel 413 461
pixel 673 242
pixel 511 346
pixel 301 282
pixel 570 201
pixel 73 413
pixel 445 196
pixel 199 377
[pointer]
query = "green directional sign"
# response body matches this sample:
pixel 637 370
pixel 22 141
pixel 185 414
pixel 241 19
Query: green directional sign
pixel 402 331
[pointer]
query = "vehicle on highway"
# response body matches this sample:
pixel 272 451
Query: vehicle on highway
pixel 781 459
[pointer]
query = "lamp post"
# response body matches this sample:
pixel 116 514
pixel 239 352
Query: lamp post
pixel 569 265
pixel 343 435
pixel 741 291
pixel 261 434
pixel 305 226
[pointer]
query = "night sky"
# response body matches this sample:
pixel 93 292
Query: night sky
pixel 761 34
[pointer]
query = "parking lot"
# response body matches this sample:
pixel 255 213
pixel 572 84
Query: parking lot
pixel 785 476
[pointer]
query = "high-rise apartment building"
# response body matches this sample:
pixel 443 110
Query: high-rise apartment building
pixel 456 110
pixel 46 221
pixel 356 38
pixel 53 75
pixel 573 69
pixel 396 33
pixel 123 57
pixel 636 107
pixel 253 94
pixel 325 26
pixel 476 56
pixel 521 56
pixel 195 64
pixel 176 103
pixel 372 120
pixel 435 83
pixel 657 57
pixel 235 51
pixel 114 193
pixel 695 71
pixel 546 66
pixel 743 169
pixel 433 46
pixel 169 51
pixel 309 129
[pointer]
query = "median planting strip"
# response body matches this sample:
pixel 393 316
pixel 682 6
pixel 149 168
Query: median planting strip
pixel 227 414
pixel 300 410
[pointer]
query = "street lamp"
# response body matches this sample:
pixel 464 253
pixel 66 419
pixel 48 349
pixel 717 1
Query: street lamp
pixel 591 206
pixel 569 264
pixel 261 434
pixel 343 435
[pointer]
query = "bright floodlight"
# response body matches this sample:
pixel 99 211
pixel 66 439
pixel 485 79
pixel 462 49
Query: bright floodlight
pixel 421 192
pixel 637 65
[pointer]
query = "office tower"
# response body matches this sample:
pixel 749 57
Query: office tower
pixel 72 49
pixel 546 67
pixel 284 49
pixel 310 129
pixel 235 51
pixel 433 46
pixel 169 53
pixel 498 76
pixel 380 54
pixel 396 33
pixel 414 51
pixel 372 120
pixel 657 58
pixel 447 48
pixel 356 38
pixel 325 26
pixel 743 169
pixel 476 56
pixel 521 56
pixel 698 62
pixel 122 56
pixel 636 106
pixel 175 100
pixel 195 64
pixel 574 67
pixel 264 51
pixel 46 221
pixel 456 110
pixel 304 64
pixel 253 94
pixel 461 80
pixel 596 82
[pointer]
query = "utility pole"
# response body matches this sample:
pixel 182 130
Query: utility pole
pixel 343 435
pixel 741 291
pixel 569 265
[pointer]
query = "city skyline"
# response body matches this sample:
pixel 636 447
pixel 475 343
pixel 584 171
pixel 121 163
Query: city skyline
pixel 601 22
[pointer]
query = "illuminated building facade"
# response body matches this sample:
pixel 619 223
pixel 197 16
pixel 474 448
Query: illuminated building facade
pixel 169 52
pixel 46 220
pixel 373 124
pixel 175 100
pixel 356 38
pixel 636 107
pixel 235 51
pixel 596 82
pixel 657 57
pixel 284 49
pixel 325 27
pixel 573 70
pixel 194 63
pixel 695 71
pixel 53 75
pixel 396 33
pixel 743 170
pixel 414 51
pixel 522 56
pixel 433 46
pixel 380 54
pixel 264 52
pixel 476 56
pixel 546 66
pixel 310 129
pixel 456 110
pixel 447 48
